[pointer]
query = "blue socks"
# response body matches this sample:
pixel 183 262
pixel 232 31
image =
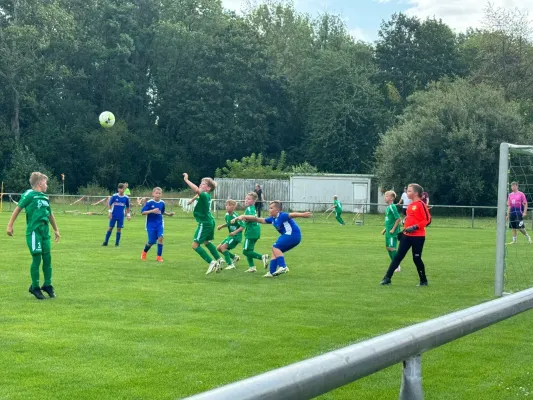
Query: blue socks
pixel 273 265
pixel 107 236
pixel 159 249
pixel 117 241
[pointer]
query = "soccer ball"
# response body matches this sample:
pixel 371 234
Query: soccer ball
pixel 107 119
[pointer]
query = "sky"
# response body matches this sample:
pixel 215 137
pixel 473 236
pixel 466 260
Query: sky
pixel 363 17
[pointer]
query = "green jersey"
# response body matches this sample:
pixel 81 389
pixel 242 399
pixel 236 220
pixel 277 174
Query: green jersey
pixel 338 205
pixel 253 230
pixel 37 208
pixel 202 209
pixel 233 227
pixel 391 215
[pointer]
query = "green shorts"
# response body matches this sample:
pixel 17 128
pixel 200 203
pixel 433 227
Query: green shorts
pixel 249 244
pixel 205 232
pixel 39 240
pixel 231 242
pixel 391 240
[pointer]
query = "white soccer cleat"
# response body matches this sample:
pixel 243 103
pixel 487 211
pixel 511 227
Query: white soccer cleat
pixel 281 270
pixel 212 266
pixel 268 275
pixel 236 259
pixel 399 269
pixel 529 239
pixel 231 266
pixel 264 258
pixel 251 269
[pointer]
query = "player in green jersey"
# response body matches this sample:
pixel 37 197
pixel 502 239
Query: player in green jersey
pixel 206 223
pixel 392 225
pixel 338 209
pixel 252 235
pixel 38 214
pixel 235 234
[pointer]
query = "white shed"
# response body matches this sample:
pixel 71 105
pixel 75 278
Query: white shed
pixel 315 192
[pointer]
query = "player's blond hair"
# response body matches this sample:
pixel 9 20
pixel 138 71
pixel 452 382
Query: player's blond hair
pixel 231 202
pixel 36 178
pixel 391 193
pixel 210 182
pixel 277 204
pixel 253 195
pixel 335 197
pixel 157 188
pixel 121 186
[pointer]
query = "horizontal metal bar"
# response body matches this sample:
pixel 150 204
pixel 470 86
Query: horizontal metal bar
pixel 321 374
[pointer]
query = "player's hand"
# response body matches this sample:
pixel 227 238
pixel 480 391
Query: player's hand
pixel 10 231
pixel 171 214
pixel 57 235
pixel 383 232
pixel 185 176
pixel 391 231
pixel 156 211
pixel 109 216
pixel 524 214
pixel 220 227
pixel 308 214
pixel 411 229
pixel 507 218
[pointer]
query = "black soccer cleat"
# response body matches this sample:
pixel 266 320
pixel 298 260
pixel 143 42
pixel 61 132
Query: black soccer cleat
pixel 425 283
pixel 385 281
pixel 36 292
pixel 104 244
pixel 49 290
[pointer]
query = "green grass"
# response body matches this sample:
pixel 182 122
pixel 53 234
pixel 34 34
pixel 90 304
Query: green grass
pixel 125 329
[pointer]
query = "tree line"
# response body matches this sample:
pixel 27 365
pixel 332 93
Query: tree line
pixel 195 87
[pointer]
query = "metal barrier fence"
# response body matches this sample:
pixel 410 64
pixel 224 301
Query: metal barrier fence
pixel 483 217
pixel 321 374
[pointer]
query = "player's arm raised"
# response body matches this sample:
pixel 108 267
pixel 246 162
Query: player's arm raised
pixel 249 218
pixel 307 214
pixel 194 188
pixel 221 226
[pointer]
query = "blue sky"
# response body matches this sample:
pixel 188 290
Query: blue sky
pixel 363 17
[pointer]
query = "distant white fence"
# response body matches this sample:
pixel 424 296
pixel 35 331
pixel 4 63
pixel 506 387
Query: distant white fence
pixel 319 375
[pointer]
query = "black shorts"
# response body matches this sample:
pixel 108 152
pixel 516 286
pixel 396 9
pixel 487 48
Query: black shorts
pixel 516 222
pixel 258 205
pixel 404 211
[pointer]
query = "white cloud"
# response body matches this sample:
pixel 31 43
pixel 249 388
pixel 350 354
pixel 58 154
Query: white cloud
pixel 234 5
pixel 461 14
pixel 359 34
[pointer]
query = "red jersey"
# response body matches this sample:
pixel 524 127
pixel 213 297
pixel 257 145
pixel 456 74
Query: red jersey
pixel 417 214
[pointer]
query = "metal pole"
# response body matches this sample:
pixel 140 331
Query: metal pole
pixel 472 217
pixel 411 388
pixel 500 220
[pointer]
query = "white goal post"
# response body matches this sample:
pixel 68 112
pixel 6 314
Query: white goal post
pixel 505 169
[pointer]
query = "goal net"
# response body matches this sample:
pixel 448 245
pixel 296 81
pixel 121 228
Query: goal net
pixel 514 254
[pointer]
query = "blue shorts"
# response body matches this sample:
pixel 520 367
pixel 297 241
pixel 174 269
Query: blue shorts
pixel 154 234
pixel 118 221
pixel 287 242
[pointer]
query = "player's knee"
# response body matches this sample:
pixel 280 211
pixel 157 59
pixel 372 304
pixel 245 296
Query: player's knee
pixel 195 245
pixel 390 249
pixel 160 240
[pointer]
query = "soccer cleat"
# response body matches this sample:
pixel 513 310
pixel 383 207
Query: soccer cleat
pixel 236 259
pixel 212 266
pixel 159 259
pixel 104 244
pixel 264 258
pixel 385 281
pixel 117 245
pixel 49 289
pixel 529 239
pixel 36 292
pixel 399 269
pixel 425 283
pixel 268 275
pixel 230 266
pixel 251 269
pixel 143 255
pixel 281 270
pixel 511 243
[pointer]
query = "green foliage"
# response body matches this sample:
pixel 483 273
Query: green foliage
pixel 255 166
pixel 92 189
pixel 448 141
pixel 23 163
pixel 303 168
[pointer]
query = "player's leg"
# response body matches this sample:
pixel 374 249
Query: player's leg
pixel 405 245
pixel 418 246
pixel 339 218
pixel 152 239
pixel 35 246
pixel 230 245
pixel 112 223
pixel 120 225
pixel 391 243
pixel 203 232
pixel 47 262
pixel 159 256
pixel 248 252
pixel 280 247
pixel 513 224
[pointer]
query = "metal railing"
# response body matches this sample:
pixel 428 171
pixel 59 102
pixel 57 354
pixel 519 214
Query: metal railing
pixel 315 376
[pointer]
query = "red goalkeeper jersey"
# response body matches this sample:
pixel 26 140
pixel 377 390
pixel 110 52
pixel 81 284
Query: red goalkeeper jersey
pixel 417 214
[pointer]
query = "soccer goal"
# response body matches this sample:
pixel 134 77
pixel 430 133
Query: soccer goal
pixel 514 258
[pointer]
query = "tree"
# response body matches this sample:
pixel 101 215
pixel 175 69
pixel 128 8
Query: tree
pixel 411 53
pixel 448 141
pixel 255 166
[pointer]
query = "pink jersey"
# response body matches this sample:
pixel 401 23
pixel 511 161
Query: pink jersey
pixel 516 202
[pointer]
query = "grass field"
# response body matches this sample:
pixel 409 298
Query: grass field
pixel 121 328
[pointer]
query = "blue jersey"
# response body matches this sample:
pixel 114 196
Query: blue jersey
pixel 118 205
pixel 154 221
pixel 284 224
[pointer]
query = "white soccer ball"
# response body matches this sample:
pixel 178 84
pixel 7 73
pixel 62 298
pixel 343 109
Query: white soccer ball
pixel 107 119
